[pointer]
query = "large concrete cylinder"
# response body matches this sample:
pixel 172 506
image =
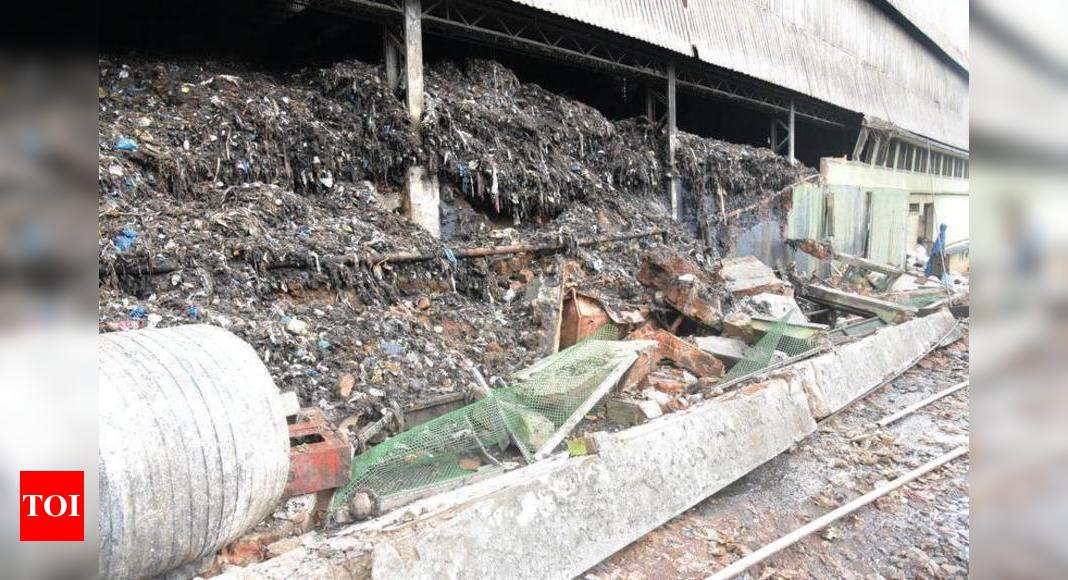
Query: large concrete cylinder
pixel 194 446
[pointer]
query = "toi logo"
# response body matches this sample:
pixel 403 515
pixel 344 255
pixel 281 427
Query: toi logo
pixel 51 506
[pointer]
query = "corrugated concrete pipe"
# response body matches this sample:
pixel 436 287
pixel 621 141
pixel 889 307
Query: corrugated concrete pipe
pixel 194 446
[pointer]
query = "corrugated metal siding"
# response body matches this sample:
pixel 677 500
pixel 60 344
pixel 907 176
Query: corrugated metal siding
pixel 845 52
pixel 888 226
pixel 850 218
pixel 805 221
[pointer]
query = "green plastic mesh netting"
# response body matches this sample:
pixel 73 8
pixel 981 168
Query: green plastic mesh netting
pixel 525 414
pixel 760 355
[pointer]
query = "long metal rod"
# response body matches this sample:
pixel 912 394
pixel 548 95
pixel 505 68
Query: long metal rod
pixel 827 519
pixel 499 250
pixel 920 404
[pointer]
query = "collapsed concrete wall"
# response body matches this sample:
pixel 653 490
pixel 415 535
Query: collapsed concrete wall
pixel 835 379
pixel 559 517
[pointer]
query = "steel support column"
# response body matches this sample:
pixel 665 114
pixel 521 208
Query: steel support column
pixel 785 145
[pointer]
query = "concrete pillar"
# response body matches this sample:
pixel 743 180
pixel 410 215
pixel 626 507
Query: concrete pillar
pixel 422 194
pixel 672 137
pixel 413 58
pixel 875 150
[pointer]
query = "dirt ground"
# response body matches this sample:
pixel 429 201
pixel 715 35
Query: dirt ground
pixel 918 531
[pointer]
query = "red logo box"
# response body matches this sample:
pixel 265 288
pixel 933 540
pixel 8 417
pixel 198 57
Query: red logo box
pixel 52 506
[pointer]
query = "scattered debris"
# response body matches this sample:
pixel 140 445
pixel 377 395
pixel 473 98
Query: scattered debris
pixel 747 276
pixel 683 285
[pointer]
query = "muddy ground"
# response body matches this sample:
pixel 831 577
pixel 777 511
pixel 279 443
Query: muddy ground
pixel 918 531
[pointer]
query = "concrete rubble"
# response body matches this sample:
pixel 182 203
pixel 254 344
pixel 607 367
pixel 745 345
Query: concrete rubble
pixel 552 518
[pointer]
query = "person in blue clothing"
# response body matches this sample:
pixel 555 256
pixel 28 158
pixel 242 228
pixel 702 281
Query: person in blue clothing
pixel 936 264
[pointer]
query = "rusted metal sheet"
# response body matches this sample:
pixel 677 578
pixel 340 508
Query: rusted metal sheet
pixel 846 52
pixel 682 284
pixel 682 353
pixel 319 458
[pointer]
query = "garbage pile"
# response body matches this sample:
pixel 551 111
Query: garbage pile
pixel 525 151
pixel 188 129
pixel 255 201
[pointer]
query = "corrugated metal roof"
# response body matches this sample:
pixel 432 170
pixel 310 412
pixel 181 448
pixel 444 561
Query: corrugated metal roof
pixel 845 52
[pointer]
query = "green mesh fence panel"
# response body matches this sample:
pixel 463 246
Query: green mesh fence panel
pixel 760 355
pixel 524 414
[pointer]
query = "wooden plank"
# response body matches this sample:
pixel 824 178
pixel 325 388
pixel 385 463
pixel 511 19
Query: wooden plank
pixel 598 393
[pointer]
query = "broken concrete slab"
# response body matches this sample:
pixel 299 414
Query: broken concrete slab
pixel 560 516
pixel 727 349
pixel 773 306
pixel 629 412
pixel 837 378
pixel 747 276
pixel 546 307
pixel 682 284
